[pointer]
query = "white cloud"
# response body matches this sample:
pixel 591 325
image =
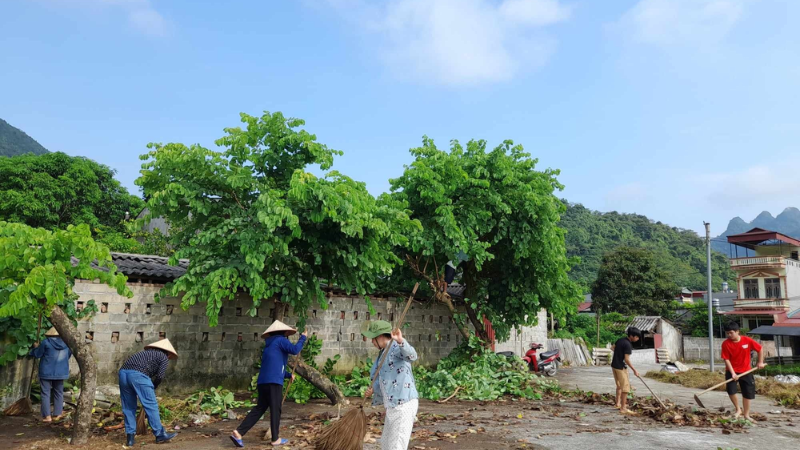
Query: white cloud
pixel 681 22
pixel 535 12
pixel 148 21
pixel 141 14
pixel 458 42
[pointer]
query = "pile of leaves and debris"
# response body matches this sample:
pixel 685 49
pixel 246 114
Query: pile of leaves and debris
pixel 473 372
pixel 674 414
pixel 786 395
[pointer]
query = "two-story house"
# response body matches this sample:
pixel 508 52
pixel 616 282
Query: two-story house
pixel 767 265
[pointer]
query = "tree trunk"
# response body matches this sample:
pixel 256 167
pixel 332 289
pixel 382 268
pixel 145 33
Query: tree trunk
pixel 317 379
pixel 462 327
pixel 83 354
pixel 471 295
pixel 311 374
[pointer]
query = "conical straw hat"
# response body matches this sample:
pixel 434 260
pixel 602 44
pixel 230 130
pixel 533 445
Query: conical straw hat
pixel 51 332
pixel 279 326
pixel 165 345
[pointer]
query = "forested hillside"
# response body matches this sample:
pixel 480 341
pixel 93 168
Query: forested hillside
pixel 590 234
pixel 14 141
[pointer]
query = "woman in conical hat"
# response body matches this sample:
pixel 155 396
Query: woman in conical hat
pixel 138 379
pixel 277 349
pixel 53 370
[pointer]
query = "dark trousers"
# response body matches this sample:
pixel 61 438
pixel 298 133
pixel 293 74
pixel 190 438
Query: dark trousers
pixel 56 388
pixel 269 397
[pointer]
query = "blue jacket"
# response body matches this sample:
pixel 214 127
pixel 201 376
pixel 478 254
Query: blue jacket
pixel 273 360
pixel 395 384
pixel 55 359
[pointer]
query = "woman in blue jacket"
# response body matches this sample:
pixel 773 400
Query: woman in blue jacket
pixel 270 380
pixel 53 370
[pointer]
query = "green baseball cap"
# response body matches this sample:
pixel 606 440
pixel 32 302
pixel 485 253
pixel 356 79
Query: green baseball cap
pixel 375 328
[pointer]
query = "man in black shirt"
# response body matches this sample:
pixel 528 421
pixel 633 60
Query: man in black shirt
pixel 619 365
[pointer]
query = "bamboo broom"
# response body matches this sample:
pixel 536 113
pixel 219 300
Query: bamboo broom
pixel 348 432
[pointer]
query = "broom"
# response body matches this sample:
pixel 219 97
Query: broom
pixel 348 432
pixel 24 406
pixel 141 425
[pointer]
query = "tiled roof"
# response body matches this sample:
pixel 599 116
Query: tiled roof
pixel 645 323
pixel 456 290
pixel 148 266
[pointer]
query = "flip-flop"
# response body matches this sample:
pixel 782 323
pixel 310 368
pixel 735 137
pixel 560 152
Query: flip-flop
pixel 282 442
pixel 237 442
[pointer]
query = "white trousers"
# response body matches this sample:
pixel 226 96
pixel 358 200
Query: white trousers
pixel 398 426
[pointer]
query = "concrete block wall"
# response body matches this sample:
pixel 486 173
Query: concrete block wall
pixel 224 355
pixel 696 348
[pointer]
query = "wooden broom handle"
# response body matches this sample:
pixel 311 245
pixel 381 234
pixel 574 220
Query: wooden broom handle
pixel 386 351
pixel 727 381
pixel 291 380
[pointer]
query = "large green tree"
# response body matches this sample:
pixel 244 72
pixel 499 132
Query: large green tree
pixel 631 282
pixel 250 217
pixel 54 190
pixel 496 214
pixel 38 269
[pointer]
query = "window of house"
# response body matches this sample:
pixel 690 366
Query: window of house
pixel 794 256
pixel 773 287
pixel 751 288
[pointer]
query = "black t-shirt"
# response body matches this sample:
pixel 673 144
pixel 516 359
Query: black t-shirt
pixel 621 348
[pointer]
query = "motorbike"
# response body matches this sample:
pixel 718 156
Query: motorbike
pixel 546 363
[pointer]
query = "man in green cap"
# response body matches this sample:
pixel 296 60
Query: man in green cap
pixel 394 386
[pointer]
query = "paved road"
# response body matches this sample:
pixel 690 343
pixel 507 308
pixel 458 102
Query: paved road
pixel 600 379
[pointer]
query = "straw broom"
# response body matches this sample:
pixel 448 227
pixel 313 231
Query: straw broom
pixel 24 406
pixel 348 432
pixel 141 425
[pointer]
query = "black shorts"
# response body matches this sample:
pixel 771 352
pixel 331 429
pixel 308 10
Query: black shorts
pixel 747 383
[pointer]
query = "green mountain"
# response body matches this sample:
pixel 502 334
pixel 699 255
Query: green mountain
pixel 14 141
pixel 787 222
pixel 590 234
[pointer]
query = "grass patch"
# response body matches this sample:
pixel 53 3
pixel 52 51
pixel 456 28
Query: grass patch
pixel 786 395
pixel 786 369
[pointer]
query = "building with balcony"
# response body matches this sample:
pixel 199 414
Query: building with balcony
pixel 768 277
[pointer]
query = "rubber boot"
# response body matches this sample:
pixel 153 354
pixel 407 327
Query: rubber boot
pixel 130 441
pixel 165 437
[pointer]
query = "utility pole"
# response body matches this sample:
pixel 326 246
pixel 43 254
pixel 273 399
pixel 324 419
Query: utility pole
pixel 708 299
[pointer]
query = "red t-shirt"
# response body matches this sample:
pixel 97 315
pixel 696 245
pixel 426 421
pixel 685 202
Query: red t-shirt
pixel 738 353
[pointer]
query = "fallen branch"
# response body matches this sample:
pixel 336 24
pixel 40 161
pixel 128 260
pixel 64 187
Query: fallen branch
pixel 458 388
pixel 115 427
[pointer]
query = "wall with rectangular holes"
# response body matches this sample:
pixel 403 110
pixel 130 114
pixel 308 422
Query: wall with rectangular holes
pixel 224 355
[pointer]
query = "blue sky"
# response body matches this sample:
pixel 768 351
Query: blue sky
pixel 683 110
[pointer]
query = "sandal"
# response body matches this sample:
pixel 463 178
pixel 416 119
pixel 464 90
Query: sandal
pixel 237 442
pixel 282 442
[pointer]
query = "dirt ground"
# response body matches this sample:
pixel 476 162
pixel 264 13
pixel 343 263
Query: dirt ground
pixel 457 425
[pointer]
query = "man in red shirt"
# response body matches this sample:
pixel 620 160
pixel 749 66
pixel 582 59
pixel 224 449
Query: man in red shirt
pixel 736 353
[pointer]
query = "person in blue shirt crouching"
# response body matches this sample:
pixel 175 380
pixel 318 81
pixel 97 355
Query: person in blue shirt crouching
pixel 270 381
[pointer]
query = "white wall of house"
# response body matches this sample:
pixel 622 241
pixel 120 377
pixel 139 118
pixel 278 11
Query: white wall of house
pixel 671 339
pixel 519 341
pixel 793 286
